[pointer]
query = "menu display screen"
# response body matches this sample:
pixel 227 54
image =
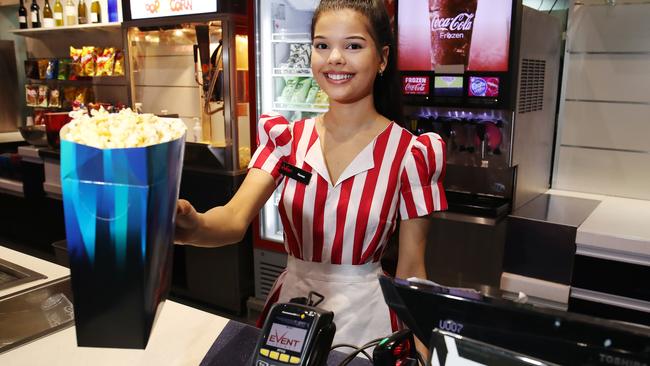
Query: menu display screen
pixel 483 87
pixel 145 9
pixel 472 33
pixel 448 86
pixel 288 334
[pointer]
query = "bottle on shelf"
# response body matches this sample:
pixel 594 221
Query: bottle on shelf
pixel 81 11
pixel 48 20
pixel 112 11
pixel 95 12
pixel 22 15
pixel 58 13
pixel 34 10
pixel 70 13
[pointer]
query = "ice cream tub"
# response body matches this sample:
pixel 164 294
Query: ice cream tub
pixel 119 205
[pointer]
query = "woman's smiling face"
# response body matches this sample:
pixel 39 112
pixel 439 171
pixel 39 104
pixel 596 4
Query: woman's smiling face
pixel 344 56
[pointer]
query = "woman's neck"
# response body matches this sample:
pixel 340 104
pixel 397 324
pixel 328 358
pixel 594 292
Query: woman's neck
pixel 348 118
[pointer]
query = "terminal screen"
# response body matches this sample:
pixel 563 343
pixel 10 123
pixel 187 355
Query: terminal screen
pixel 288 337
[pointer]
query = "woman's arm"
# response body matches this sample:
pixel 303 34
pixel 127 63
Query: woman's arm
pixel 412 244
pixel 410 261
pixel 224 224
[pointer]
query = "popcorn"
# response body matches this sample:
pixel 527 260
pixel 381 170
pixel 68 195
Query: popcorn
pixel 125 129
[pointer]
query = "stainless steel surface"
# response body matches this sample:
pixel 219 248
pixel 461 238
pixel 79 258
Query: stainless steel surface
pixel 569 211
pixel 9 113
pixel 12 275
pixel 34 313
pixel 533 131
pixel 466 218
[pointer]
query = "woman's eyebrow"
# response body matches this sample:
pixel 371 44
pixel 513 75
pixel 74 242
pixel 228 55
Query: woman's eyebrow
pixel 350 37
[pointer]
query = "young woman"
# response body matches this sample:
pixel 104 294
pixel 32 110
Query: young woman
pixel 366 171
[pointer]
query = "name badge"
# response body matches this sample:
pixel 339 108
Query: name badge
pixel 294 172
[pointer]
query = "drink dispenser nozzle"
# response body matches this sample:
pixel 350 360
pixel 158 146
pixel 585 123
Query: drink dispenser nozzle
pixel 480 132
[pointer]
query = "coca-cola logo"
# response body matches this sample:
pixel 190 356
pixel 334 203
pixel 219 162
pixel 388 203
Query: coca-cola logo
pixel 461 22
pixel 415 85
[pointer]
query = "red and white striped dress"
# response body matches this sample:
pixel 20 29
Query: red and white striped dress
pixel 335 232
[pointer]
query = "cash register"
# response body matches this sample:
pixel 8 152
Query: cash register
pixel 538 333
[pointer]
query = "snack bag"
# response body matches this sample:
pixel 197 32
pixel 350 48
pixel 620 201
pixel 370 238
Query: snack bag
pixel 288 90
pixel 322 100
pixel 55 98
pixel 42 95
pixel 120 176
pixel 313 90
pixel 64 69
pixel 118 67
pixel 88 61
pixel 31 95
pixel 52 69
pixel 105 61
pixel 42 68
pixel 31 69
pixel 69 94
pixel 300 93
pixel 76 69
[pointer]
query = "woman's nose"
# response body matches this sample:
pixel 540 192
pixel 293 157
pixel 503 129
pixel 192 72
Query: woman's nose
pixel 336 57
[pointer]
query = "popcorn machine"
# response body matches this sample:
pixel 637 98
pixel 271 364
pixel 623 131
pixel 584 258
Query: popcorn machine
pixel 189 59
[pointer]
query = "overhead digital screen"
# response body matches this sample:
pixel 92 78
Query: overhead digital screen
pixel 145 9
pixel 474 34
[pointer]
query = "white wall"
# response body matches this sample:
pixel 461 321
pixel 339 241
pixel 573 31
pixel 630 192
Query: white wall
pixel 604 123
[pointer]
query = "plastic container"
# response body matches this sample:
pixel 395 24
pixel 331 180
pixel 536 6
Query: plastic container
pixel 53 124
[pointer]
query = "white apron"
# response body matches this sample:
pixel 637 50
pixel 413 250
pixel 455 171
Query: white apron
pixel 352 292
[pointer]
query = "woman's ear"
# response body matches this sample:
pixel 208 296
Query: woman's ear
pixel 385 51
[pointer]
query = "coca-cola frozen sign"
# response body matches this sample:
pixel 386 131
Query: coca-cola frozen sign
pixel 415 85
pixel 471 33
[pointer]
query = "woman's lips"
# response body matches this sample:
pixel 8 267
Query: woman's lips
pixel 338 77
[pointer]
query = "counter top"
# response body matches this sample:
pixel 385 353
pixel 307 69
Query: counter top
pixel 50 270
pixel 181 336
pixel 618 229
pixel 10 137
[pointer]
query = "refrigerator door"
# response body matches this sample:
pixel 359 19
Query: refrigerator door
pixel 284 78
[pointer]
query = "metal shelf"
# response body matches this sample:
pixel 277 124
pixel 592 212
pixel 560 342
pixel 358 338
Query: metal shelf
pixel 40 32
pixel 302 107
pixel 291 38
pixel 296 72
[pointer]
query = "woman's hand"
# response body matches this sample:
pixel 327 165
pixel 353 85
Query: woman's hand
pixel 187 222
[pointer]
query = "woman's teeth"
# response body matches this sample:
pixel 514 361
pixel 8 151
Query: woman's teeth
pixel 338 77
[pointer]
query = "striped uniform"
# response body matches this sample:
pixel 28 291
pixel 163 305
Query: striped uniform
pixel 348 222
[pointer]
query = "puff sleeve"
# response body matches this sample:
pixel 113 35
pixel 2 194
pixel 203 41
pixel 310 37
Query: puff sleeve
pixel 421 190
pixel 273 144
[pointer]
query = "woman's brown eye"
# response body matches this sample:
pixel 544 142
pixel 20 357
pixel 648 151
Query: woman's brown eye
pixel 320 46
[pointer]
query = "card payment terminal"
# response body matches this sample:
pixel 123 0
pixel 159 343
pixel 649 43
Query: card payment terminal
pixel 295 334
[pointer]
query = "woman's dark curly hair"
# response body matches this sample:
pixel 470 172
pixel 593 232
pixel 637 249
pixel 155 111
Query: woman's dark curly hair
pixel 387 96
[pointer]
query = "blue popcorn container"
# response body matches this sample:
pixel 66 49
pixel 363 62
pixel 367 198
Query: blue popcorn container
pixel 119 206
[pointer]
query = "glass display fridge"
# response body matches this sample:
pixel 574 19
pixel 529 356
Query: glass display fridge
pixel 285 82
pixel 284 85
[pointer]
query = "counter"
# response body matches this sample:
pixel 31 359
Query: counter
pixel 604 255
pixel 50 270
pixel 181 336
